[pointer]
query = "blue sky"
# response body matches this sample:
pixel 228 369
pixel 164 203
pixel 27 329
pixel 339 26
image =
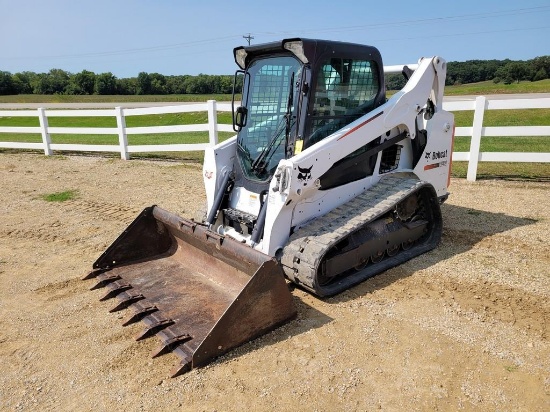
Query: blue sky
pixel 191 37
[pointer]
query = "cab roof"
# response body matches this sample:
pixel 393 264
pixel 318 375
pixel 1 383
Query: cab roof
pixel 306 50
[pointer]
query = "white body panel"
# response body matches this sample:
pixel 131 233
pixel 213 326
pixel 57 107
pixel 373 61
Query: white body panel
pixel 295 198
pixel 216 160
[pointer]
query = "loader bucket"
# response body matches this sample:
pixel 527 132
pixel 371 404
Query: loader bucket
pixel 201 293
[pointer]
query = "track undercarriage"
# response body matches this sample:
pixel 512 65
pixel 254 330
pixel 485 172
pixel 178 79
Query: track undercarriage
pixel 397 219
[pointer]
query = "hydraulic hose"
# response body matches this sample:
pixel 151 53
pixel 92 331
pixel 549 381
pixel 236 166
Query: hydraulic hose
pixel 218 199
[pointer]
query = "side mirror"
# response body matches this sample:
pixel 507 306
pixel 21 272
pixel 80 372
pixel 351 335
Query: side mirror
pixel 241 115
pixel 241 83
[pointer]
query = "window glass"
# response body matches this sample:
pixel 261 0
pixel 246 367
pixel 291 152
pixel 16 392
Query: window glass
pixel 266 93
pixel 345 90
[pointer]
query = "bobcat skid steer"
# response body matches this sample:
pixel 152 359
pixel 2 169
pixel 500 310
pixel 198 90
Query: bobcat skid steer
pixel 326 184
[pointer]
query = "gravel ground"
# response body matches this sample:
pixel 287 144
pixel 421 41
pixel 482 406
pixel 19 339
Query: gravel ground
pixel 464 327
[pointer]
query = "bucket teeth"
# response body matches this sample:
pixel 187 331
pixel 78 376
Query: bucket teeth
pixel 115 288
pixel 126 299
pixel 104 280
pixel 154 325
pixel 94 273
pixel 140 311
pixel 183 367
pixel 200 293
pixel 169 344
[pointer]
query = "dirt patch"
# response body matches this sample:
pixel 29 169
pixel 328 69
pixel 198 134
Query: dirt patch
pixel 462 327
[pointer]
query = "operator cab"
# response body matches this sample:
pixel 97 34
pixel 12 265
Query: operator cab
pixel 295 93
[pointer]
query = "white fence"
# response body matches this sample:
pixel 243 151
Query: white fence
pixel 477 131
pixel 121 130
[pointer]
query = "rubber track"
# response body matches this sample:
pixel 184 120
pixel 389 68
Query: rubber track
pixel 308 246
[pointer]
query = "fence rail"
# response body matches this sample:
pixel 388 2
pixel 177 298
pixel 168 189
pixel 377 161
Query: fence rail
pixel 473 156
pixel 477 131
pixel 212 127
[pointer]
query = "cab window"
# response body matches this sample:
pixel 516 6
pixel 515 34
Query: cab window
pixel 345 90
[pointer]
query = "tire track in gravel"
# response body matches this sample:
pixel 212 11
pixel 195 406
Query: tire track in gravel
pixel 489 300
pixel 43 233
pixel 487 297
pixel 60 290
pixel 59 231
pixel 469 238
pixel 506 322
pixel 484 298
pixel 104 210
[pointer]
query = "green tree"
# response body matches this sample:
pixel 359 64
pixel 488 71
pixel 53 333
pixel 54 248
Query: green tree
pixel 41 84
pixel 6 83
pixel 84 82
pixel 541 67
pixel 176 84
pixel 472 71
pixel 22 82
pixel 158 84
pixel 53 82
pixel 105 84
pixel 516 71
pixel 541 74
pixel 225 85
pixel 201 84
pixel 126 86
pixel 59 79
pixel 395 81
pixel 143 83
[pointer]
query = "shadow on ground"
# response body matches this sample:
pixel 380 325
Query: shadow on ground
pixel 462 229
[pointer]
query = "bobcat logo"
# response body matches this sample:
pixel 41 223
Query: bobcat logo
pixel 305 174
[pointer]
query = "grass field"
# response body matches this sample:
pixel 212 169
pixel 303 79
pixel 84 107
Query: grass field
pixel 488 87
pixel 481 88
pixel 537 117
pixel 131 121
pixel 492 118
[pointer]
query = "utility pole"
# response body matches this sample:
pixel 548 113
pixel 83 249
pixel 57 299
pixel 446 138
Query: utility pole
pixel 248 38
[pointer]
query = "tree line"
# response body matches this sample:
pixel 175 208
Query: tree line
pixel 474 71
pixel 58 81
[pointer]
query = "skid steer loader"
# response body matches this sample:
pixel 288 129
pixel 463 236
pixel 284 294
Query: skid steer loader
pixel 325 184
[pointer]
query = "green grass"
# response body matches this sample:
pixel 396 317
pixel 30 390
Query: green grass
pixel 60 196
pixel 535 117
pixel 535 144
pixel 481 88
pixel 492 118
pixel 167 119
pixel 512 368
pixel 512 117
pixel 488 87
pixel 175 119
pixel 505 170
pixel 131 121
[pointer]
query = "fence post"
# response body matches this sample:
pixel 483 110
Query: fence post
pixel 212 123
pixel 122 138
pixel 475 143
pixel 46 139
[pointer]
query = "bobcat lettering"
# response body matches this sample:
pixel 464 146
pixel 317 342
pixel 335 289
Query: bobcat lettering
pixel 439 155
